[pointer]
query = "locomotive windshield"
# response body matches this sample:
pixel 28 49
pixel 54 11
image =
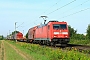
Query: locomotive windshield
pixel 59 26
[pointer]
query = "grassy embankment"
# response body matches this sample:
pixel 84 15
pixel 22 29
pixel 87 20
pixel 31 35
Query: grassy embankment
pixel 0 44
pixel 10 53
pixel 46 53
pixel 80 42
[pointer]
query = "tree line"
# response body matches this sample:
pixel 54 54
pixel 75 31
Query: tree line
pixel 1 37
pixel 75 35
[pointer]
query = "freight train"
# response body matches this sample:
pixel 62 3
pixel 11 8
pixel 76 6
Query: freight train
pixel 18 36
pixel 52 33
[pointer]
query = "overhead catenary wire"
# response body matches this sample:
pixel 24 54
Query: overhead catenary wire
pixel 52 6
pixel 62 6
pixel 19 25
pixel 45 12
pixel 75 13
pixel 76 6
pixel 56 9
pixel 32 23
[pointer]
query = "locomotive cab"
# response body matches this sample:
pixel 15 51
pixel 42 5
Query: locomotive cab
pixel 58 32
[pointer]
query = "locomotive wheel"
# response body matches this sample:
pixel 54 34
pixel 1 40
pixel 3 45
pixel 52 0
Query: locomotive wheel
pixel 47 44
pixel 52 44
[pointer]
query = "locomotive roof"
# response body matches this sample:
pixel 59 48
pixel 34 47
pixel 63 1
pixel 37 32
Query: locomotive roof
pixel 41 25
pixel 53 21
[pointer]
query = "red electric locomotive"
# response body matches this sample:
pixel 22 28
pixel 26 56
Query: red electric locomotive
pixel 52 33
pixel 19 36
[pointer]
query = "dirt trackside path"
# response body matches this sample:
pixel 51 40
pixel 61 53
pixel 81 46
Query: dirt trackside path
pixel 2 51
pixel 20 53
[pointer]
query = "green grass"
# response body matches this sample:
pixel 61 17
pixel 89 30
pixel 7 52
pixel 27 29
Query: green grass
pixel 80 42
pixel 10 53
pixel 32 53
pixel 0 44
pixel 45 53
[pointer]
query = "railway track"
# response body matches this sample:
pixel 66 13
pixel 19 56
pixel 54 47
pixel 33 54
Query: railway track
pixel 71 46
pixel 75 47
pixel 80 47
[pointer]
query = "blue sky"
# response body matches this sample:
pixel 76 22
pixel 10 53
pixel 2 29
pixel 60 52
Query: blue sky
pixel 27 14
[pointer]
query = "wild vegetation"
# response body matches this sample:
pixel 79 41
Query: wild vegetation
pixel 10 53
pixel 77 36
pixel 80 42
pixel 0 44
pixel 1 37
pixel 45 53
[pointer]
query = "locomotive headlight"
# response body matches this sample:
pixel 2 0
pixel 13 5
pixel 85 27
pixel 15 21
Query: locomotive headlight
pixel 55 36
pixel 65 36
pixel 56 32
pixel 64 32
